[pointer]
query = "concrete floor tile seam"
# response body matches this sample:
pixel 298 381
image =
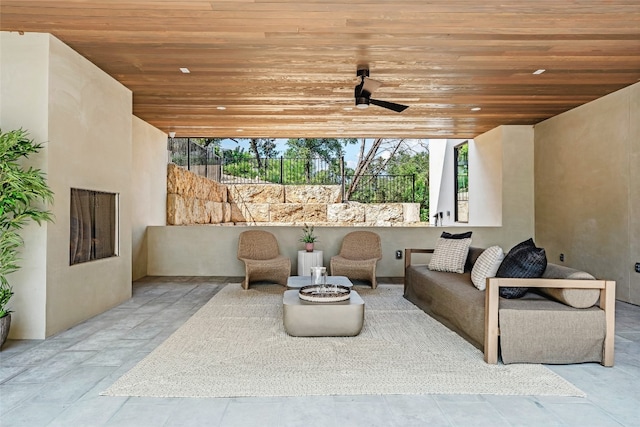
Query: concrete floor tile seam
pixel 10 377
pixel 19 359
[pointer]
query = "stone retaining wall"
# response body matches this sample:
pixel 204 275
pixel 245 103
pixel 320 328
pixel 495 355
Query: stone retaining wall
pixel 192 199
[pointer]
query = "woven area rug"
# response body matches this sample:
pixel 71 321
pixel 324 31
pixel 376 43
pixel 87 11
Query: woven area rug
pixel 235 345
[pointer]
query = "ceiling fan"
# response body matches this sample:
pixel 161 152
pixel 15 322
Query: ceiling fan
pixel 366 87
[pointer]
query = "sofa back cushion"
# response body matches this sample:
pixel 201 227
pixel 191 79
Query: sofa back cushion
pixel 577 298
pixel 472 257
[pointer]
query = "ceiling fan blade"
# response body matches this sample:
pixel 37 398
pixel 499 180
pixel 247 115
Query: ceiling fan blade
pixel 371 85
pixel 398 108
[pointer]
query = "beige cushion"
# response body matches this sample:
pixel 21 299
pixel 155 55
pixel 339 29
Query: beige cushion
pixel 486 266
pixel 550 332
pixel 450 255
pixel 577 298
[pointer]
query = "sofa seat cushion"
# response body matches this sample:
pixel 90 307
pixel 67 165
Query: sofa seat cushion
pixel 577 298
pixel 538 330
pixel 450 298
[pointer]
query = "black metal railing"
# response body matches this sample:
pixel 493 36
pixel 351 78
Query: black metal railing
pixel 384 189
pixel 291 171
pixel 199 160
pixel 287 171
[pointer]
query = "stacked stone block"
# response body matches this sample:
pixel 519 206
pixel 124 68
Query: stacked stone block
pixel 192 199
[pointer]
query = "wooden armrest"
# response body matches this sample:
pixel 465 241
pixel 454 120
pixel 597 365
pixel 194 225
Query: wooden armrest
pixel 492 306
pixel 408 252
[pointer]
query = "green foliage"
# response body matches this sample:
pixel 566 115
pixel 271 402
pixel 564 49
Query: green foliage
pixel 307 234
pixel 5 295
pixel 462 171
pixel 327 149
pixel 263 147
pixel 418 165
pixel 307 150
pixel 301 166
pixel 21 191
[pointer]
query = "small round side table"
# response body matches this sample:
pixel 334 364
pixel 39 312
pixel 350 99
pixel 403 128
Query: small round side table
pixel 306 260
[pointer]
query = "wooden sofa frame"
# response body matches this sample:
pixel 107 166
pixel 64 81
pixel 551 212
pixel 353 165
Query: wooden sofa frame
pixel 492 306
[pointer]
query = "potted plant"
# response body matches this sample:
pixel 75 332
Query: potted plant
pixel 21 190
pixel 308 237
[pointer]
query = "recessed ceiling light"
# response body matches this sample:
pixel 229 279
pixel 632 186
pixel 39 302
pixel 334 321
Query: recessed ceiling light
pixel 221 107
pixel 540 71
pixel 476 109
pixel 185 70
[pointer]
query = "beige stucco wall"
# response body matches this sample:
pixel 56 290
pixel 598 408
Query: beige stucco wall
pixel 85 117
pixel 24 83
pixel 485 178
pixel 210 250
pixel 148 189
pixel 518 199
pixel 634 192
pixel 587 194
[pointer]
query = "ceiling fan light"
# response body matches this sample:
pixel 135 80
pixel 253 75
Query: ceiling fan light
pixel 362 102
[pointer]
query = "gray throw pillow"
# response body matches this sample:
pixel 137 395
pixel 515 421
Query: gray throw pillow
pixel 524 260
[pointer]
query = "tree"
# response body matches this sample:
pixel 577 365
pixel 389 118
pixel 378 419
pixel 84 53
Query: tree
pixel 417 164
pixel 373 161
pixel 259 147
pixel 262 147
pixel 327 149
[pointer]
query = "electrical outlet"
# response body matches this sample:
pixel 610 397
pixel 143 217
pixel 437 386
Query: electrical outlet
pixel 561 257
pixel 637 267
pixel 398 254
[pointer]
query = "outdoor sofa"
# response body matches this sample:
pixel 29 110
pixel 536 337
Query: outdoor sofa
pixel 544 326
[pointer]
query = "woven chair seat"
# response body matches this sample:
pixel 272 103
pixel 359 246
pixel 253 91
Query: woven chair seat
pixel 260 253
pixel 358 257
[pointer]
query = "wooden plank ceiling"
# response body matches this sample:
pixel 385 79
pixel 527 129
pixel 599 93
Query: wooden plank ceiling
pixel 287 68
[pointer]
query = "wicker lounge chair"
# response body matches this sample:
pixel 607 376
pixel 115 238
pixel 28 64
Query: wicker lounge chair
pixel 358 257
pixel 261 255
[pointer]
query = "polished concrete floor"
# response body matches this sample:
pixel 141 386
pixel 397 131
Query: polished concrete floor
pixel 57 382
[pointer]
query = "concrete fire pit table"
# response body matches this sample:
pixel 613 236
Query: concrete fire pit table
pixel 322 319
